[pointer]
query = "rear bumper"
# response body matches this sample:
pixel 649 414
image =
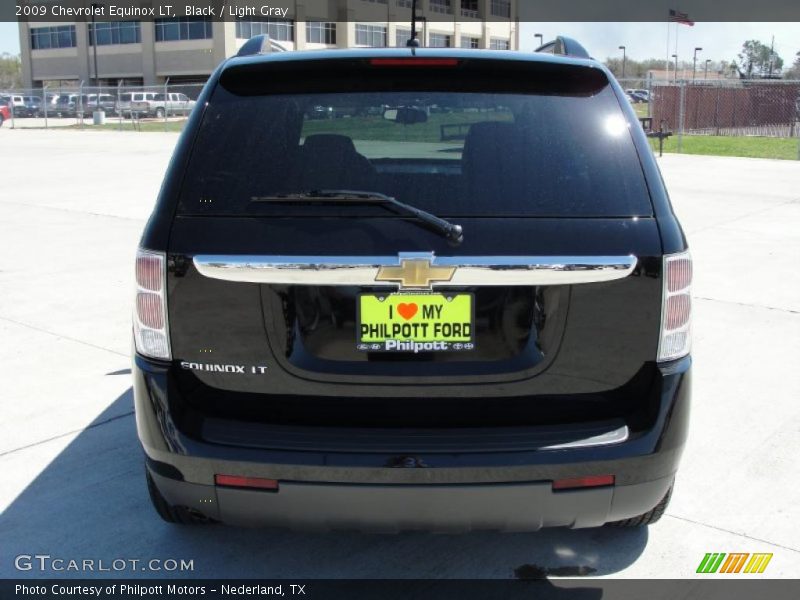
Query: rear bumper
pixel 508 507
pixel 501 488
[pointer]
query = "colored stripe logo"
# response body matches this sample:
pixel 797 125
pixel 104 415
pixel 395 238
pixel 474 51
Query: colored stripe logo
pixel 735 562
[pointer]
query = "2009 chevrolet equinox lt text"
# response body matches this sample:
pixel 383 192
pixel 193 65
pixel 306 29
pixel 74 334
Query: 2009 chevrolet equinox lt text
pixel 392 289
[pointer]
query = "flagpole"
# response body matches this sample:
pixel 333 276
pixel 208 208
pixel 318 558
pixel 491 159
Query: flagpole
pixel 677 26
pixel 667 81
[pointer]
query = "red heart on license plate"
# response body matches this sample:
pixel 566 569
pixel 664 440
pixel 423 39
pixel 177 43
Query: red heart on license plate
pixel 407 310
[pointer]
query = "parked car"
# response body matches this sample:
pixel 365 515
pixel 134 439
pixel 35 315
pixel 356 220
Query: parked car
pixel 171 104
pixel 48 106
pixel 15 103
pixel 5 112
pixel 33 106
pixel 105 102
pixel 334 328
pixel 71 105
pixel 125 100
pixel 642 94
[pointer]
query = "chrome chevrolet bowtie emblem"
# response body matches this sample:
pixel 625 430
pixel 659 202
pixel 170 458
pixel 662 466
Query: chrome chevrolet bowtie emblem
pixel 415 273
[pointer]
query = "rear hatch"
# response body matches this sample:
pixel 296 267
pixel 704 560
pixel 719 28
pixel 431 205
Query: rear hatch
pixel 281 307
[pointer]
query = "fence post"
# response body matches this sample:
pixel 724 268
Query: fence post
pixel 166 104
pixel 44 103
pixel 681 115
pixel 79 105
pixel 119 94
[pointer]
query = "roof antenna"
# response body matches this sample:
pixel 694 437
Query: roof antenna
pixel 413 42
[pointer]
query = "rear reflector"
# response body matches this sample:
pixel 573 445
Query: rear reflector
pixel 246 482
pixel 150 331
pixel 414 62
pixel 583 482
pixel 676 317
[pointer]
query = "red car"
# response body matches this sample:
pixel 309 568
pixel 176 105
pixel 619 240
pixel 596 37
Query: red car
pixel 5 113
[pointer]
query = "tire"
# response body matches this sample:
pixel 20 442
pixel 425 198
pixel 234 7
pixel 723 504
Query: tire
pixel 179 515
pixel 160 113
pixel 2 118
pixel 648 518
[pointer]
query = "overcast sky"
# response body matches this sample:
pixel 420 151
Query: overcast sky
pixel 720 41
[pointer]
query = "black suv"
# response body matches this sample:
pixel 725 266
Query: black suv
pixel 460 303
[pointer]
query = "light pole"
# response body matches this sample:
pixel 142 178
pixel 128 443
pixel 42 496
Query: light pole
pixel 675 56
pixel 624 57
pixel 694 63
pixel 95 6
pixel 541 39
pixel 708 60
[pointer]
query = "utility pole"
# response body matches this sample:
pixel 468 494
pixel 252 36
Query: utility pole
pixel 94 45
pixel 771 55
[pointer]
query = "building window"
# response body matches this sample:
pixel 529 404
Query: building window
pixel 501 8
pixel 469 8
pixel 439 40
pixel 277 29
pixel 401 37
pixel 53 37
pixel 470 42
pixel 377 1
pixel 499 44
pixel 321 32
pixel 441 6
pixel 370 35
pixel 181 29
pixel 404 3
pixel 118 32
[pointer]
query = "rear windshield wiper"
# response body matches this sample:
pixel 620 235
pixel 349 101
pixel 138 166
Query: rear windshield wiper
pixel 451 231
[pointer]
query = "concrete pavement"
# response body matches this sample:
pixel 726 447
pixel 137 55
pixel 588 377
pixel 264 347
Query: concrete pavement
pixel 73 205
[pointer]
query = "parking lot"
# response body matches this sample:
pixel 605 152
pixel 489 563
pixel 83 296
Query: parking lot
pixel 73 205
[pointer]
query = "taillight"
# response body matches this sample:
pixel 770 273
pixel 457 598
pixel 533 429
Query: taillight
pixel 676 307
pixel 150 309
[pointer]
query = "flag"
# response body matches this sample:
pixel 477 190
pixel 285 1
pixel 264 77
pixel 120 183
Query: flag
pixel 676 16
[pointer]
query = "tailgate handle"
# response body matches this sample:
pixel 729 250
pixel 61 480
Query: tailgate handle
pixel 414 270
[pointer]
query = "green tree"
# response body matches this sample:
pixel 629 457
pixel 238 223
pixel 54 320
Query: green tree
pixel 10 71
pixel 794 72
pixel 756 59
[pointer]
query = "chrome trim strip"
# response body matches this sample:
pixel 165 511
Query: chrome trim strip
pixel 616 436
pixel 362 270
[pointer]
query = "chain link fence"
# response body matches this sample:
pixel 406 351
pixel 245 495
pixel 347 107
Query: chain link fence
pixel 718 107
pixel 143 108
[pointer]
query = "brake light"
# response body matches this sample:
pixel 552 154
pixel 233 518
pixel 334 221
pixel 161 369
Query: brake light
pixel 583 482
pixel 258 483
pixel 676 307
pixel 150 330
pixel 414 62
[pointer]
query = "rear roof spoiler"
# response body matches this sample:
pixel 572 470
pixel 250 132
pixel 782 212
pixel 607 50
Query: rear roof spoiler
pixel 259 44
pixel 564 46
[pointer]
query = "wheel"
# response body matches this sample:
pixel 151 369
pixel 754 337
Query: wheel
pixel 2 118
pixel 648 518
pixel 159 113
pixel 179 515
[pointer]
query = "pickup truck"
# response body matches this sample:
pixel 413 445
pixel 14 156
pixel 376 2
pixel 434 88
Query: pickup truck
pixel 161 105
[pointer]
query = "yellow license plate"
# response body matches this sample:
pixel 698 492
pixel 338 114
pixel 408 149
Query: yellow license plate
pixel 415 322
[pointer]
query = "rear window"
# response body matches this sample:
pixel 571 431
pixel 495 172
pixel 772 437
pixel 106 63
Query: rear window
pixel 454 152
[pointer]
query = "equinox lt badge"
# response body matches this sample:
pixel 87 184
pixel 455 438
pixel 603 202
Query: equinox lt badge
pixel 232 369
